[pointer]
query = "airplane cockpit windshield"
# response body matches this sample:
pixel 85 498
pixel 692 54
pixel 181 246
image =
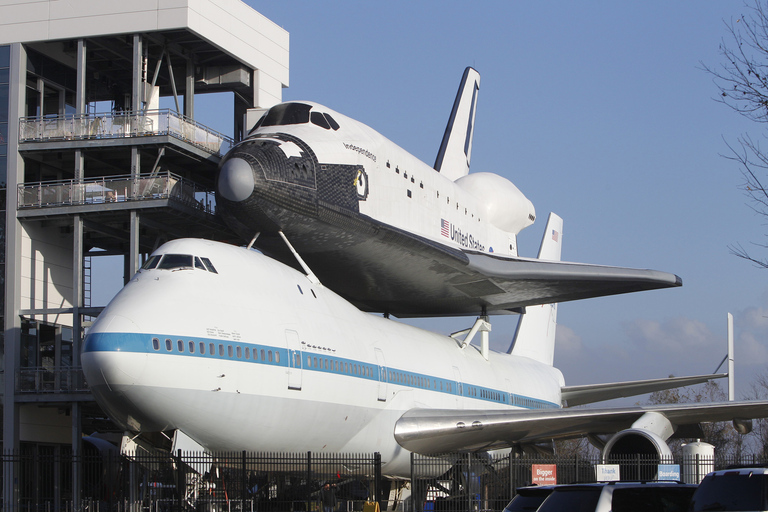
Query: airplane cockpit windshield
pixel 177 262
pixel 296 113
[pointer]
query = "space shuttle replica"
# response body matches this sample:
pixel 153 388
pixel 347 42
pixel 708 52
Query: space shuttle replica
pixel 390 233
pixel 275 358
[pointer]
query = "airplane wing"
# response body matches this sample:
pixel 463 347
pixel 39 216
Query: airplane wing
pixel 434 431
pixel 591 393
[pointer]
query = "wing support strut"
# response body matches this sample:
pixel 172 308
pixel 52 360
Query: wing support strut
pixel 484 326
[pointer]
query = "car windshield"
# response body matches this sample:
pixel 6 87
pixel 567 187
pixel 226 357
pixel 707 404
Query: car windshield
pixel 572 500
pixel 521 503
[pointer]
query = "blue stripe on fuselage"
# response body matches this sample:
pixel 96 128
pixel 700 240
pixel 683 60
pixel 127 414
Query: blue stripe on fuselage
pixel 310 361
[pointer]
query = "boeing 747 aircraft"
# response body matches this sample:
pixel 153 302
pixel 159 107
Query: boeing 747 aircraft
pixel 237 351
pixel 387 231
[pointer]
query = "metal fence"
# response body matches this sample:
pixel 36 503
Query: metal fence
pixel 485 482
pixel 123 124
pixel 233 482
pixel 51 479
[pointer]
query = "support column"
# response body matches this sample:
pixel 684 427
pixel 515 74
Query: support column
pixel 137 91
pixel 134 251
pixel 189 90
pixel 77 303
pixel 11 361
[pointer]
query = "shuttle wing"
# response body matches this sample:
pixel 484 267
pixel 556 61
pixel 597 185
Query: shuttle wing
pixel 434 431
pixel 435 280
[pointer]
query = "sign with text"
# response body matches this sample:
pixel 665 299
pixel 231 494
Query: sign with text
pixel 607 472
pixel 669 472
pixel 544 474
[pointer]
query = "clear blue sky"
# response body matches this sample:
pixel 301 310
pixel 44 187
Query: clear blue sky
pixel 598 111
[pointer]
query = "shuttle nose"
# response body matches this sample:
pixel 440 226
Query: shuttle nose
pixel 236 180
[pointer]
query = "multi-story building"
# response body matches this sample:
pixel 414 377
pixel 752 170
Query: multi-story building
pixel 102 153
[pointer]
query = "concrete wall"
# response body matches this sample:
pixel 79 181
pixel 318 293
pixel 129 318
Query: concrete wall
pixel 46 271
pixel 44 425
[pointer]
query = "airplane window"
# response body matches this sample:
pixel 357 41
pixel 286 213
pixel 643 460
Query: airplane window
pixel 180 344
pixel 209 265
pixel 269 355
pixel 239 352
pixel 168 345
pixel 314 361
pixel 221 350
pixel 172 261
pixel 202 348
pixel 277 356
pixel 191 347
pixel 151 262
pixel 287 113
pixel 229 350
pixel 155 343
pixel 326 364
pixel 247 352
pixel 319 119
pixel 262 355
pixel 199 264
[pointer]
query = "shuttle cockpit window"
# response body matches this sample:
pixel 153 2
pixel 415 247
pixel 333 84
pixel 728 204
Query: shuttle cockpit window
pixel 324 121
pixel 295 113
pixel 287 113
pixel 178 261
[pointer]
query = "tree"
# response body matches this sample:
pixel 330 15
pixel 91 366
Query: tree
pixel 728 443
pixel 743 84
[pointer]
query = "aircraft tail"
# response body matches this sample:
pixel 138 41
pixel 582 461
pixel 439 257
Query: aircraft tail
pixel 456 148
pixel 535 336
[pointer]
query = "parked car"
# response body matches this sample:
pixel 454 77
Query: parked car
pixel 620 497
pixel 529 498
pixel 732 489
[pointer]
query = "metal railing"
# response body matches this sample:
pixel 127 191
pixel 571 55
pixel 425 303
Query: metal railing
pixel 124 124
pixel 61 379
pixel 165 185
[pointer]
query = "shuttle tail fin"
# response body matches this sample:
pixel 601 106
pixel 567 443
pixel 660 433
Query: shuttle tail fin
pixel 535 336
pixel 456 149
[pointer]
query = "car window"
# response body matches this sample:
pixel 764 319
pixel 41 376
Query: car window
pixel 730 491
pixel 652 499
pixel 572 500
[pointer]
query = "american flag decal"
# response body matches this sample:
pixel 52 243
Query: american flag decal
pixel 444 228
pixel 555 235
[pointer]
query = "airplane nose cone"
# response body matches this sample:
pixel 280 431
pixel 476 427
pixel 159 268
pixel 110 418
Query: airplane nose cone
pixel 236 180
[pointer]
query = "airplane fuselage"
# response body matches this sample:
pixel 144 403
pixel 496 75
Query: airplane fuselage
pixel 241 352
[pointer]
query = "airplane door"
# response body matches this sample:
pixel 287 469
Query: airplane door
pixel 294 359
pixel 382 375
pixel 459 391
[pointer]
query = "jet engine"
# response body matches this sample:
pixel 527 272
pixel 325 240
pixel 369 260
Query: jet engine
pixel 505 206
pixel 646 438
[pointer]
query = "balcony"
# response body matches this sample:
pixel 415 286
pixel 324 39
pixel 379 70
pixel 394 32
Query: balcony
pixel 60 380
pixel 116 190
pixel 125 125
